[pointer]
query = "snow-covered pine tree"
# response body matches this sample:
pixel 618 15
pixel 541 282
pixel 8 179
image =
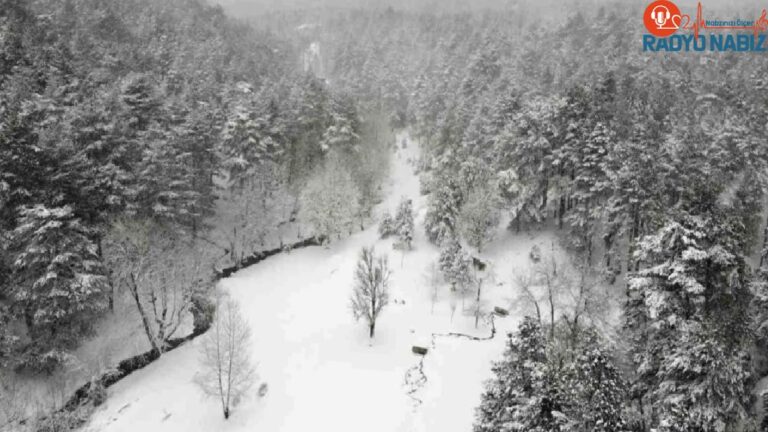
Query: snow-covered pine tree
pixel 594 388
pixel 542 385
pixel 522 151
pixel 199 134
pixel 386 226
pixel 24 169
pixel 637 203
pixel 687 317
pixel 443 209
pixel 590 187
pixel 308 105
pixel 176 184
pixel 140 95
pixel 96 162
pixel 522 395
pixel 504 110
pixel 704 383
pixel 252 134
pixel 59 282
pixel 455 264
pixel 574 126
pixel 403 223
pixel 342 133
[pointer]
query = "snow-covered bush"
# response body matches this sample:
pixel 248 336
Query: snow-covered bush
pixel 401 225
pixel 535 254
pixel 61 421
pixel 386 226
pixel 97 393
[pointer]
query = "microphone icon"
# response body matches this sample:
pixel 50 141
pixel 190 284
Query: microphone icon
pixel 662 18
pixel 660 15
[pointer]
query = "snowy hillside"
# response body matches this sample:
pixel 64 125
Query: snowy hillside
pixel 321 369
pixel 211 217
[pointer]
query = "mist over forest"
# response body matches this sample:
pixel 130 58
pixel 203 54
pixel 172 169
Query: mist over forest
pixel 557 10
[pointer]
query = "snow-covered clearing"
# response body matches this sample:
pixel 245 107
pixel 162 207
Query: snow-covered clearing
pixel 323 372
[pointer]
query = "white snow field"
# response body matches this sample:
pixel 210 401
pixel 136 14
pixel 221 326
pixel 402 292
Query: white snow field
pixel 323 372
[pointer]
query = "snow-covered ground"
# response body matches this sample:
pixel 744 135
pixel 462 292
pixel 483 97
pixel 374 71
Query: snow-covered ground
pixel 323 372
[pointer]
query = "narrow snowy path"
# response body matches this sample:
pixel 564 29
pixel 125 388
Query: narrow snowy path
pixel 323 372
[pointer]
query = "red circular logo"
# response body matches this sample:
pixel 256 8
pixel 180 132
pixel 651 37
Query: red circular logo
pixel 662 18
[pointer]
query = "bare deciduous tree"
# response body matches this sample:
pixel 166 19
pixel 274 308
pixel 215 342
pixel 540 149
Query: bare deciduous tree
pixel 250 205
pixel 160 270
pixel 554 283
pixel 329 202
pixel 562 292
pixel 228 372
pixel 371 291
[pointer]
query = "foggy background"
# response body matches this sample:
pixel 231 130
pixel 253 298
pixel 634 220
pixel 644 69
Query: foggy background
pixel 553 8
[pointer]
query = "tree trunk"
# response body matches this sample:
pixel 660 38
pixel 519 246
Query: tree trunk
pixel 372 328
pixel 608 243
pixel 111 296
pixel 765 245
pixel 234 243
pixel 538 311
pixel 551 315
pixel 634 233
pixel 477 300
pixel 144 319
